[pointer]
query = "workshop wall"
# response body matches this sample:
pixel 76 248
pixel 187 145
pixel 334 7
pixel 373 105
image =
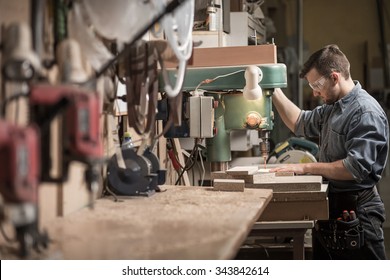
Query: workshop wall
pixel 352 24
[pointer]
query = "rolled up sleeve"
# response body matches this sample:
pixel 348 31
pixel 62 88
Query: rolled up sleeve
pixel 366 144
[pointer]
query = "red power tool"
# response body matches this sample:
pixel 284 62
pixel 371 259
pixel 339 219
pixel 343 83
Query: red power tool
pixel 19 178
pixel 79 110
pixel 19 158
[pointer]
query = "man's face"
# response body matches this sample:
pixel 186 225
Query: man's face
pixel 322 86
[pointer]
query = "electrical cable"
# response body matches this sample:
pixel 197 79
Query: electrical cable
pixel 107 189
pixel 181 21
pixel 208 81
pixel 138 36
pixel 175 154
pixel 203 169
pixel 172 154
pixel 142 88
pixel 180 41
pixel 190 161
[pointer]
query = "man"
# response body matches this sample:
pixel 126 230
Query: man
pixel 353 135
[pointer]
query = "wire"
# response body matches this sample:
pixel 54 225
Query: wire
pixel 203 169
pixel 190 161
pixel 168 9
pixel 208 81
pixel 142 88
pixel 178 30
pixel 107 189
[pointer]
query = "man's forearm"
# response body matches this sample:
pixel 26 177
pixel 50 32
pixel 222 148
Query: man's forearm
pixel 330 170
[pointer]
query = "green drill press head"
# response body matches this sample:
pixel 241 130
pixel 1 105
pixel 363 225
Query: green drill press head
pixel 234 111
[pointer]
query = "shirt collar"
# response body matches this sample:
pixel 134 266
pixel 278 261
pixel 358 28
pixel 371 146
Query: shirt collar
pixel 352 95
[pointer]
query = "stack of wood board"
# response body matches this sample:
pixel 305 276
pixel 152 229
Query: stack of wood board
pixel 298 205
pixel 297 197
pixel 232 185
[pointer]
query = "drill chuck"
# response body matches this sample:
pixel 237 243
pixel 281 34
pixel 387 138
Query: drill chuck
pixel 264 148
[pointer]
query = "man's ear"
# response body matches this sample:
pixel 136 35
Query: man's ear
pixel 335 77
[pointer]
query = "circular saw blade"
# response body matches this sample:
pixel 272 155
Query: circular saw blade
pixel 296 156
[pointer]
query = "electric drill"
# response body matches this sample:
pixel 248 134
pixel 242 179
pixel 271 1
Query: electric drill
pixel 79 110
pixel 19 178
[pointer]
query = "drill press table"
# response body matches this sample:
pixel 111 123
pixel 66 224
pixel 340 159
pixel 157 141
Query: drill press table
pixel 180 223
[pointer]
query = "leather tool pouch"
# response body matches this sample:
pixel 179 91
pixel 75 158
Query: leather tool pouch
pixel 336 235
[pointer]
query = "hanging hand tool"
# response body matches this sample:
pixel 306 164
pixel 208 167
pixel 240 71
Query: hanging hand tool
pixel 19 177
pixel 79 111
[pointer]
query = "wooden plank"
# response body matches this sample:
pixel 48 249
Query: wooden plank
pixel 224 175
pixel 296 210
pixel 162 145
pixel 284 173
pixel 288 183
pixel 232 185
pixel 301 195
pixel 242 170
pixel 231 56
pixel 179 223
pixel 248 174
pixel 307 224
pixel 220 175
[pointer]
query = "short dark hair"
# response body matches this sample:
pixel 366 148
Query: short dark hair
pixel 327 60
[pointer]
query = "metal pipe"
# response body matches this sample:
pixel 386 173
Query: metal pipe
pixel 37 17
pixel 385 54
pixel 300 50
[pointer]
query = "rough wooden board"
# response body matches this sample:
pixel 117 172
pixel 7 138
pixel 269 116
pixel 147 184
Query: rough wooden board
pixel 249 178
pixel 181 223
pixel 230 56
pixel 220 175
pixel 288 183
pixel 242 170
pixel 284 173
pixel 296 210
pixel 260 175
pixel 223 175
pixel 232 185
pixel 301 195
pixel 284 224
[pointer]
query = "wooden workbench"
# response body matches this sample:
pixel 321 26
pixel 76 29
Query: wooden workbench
pixel 180 223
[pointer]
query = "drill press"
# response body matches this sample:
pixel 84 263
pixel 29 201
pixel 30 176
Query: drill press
pixel 234 110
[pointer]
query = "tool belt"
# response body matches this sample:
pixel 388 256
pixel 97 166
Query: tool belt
pixel 336 235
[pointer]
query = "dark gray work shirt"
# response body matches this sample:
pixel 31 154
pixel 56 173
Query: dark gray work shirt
pixel 355 130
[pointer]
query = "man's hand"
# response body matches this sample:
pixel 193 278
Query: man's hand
pixel 297 168
pixel 330 170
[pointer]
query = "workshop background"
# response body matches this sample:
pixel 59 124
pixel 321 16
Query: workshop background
pixel 298 27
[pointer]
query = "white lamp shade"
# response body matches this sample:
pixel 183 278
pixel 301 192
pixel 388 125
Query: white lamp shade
pixel 253 76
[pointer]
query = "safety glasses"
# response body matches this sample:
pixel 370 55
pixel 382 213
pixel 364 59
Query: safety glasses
pixel 318 84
